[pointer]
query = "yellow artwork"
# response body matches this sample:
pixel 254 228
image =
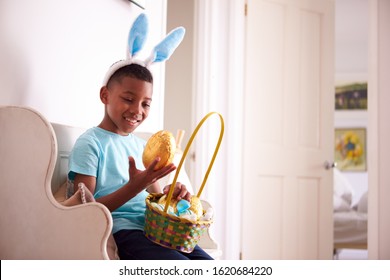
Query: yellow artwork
pixel 350 149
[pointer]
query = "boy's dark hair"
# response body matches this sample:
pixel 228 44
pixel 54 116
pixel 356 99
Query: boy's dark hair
pixel 134 71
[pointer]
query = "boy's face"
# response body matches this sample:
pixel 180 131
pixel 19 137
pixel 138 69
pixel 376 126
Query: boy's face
pixel 127 104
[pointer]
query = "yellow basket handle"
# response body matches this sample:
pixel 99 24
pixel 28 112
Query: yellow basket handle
pixel 170 193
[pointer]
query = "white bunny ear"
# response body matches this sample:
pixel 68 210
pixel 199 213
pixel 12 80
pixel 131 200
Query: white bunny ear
pixel 166 47
pixel 137 35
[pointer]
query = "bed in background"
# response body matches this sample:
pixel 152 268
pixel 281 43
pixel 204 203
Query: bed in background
pixel 350 220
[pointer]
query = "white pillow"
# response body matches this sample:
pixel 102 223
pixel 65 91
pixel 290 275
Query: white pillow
pixel 342 188
pixel 362 204
pixel 340 205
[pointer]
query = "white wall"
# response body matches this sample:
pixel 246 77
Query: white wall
pixel 178 105
pixel 351 34
pixel 179 71
pixel 54 55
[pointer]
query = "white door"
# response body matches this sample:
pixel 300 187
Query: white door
pixel 288 130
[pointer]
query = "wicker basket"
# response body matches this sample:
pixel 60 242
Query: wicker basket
pixel 176 232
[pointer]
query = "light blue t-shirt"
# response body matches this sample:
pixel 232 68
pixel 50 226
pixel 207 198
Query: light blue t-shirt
pixel 104 155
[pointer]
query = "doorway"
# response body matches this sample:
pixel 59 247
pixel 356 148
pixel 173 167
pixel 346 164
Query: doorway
pixel 351 119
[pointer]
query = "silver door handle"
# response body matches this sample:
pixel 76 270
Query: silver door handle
pixel 329 165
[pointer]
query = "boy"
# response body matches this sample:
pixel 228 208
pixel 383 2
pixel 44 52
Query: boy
pixel 106 157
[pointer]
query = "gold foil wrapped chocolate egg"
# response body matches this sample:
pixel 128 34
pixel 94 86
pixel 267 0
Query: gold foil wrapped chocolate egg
pixel 161 144
pixel 196 206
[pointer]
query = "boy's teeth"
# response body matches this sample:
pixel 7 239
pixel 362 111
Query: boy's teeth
pixel 130 120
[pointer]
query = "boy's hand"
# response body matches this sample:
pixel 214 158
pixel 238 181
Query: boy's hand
pixel 144 178
pixel 180 192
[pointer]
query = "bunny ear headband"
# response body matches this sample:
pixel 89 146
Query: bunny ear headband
pixel 136 41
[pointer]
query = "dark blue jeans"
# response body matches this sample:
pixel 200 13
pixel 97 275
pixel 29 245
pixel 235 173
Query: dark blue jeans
pixel 134 245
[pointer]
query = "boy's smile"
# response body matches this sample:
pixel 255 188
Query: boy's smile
pixel 127 104
pixel 132 121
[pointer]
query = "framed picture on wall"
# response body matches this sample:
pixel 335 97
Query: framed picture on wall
pixel 350 149
pixel 351 96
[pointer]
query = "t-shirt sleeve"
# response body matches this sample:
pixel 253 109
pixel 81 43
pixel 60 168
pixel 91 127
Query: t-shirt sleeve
pixel 84 158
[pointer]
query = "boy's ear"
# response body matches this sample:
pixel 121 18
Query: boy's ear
pixel 104 95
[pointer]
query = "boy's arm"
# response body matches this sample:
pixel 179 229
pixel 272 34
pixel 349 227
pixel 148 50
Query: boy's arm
pixel 140 180
pixel 113 200
pixel 89 182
